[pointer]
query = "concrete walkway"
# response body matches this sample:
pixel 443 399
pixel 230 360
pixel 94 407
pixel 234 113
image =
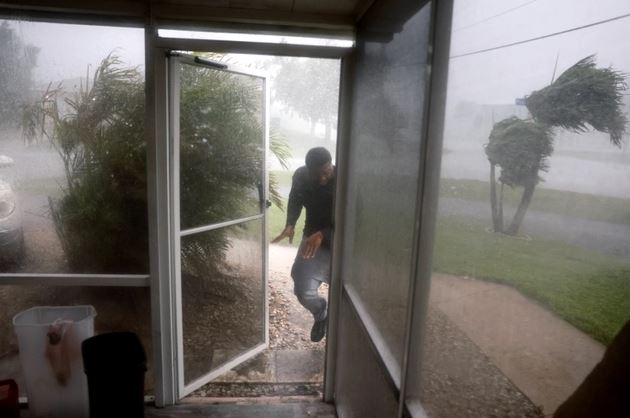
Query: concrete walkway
pixel 279 366
pixel 544 356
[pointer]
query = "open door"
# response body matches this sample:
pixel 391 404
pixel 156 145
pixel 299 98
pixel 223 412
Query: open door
pixel 218 145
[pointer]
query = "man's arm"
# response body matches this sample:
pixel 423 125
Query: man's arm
pixel 296 198
pixel 294 207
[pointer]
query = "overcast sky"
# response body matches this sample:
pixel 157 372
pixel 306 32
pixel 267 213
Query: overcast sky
pixel 492 77
pixel 66 50
pixel 502 75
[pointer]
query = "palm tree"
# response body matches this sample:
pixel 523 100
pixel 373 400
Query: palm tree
pixel 520 148
pixel 582 96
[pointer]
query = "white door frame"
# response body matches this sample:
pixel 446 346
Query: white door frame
pixel 162 216
pixel 173 61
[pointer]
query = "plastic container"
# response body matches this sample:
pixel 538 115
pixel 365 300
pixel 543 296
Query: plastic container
pixel 115 364
pixel 49 340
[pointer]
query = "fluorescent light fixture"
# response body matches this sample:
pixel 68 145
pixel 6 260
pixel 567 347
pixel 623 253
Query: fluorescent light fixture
pixel 249 37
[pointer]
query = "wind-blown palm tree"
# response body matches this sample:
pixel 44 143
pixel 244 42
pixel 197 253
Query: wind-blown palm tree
pixel 583 96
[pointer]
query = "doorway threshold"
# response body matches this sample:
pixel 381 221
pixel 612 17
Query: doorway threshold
pixel 271 373
pixel 263 407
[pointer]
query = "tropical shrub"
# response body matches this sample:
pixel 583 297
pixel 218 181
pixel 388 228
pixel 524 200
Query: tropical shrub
pixel 99 134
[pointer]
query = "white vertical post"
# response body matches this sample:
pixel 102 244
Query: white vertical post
pixel 160 234
pixel 174 68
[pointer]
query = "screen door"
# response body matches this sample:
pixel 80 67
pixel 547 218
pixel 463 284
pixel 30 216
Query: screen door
pixel 218 139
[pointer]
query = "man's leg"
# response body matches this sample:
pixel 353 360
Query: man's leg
pixel 308 274
pixel 306 291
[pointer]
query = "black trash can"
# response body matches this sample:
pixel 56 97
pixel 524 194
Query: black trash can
pixel 115 364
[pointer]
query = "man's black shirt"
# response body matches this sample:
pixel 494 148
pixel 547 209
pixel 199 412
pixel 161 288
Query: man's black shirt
pixel 317 199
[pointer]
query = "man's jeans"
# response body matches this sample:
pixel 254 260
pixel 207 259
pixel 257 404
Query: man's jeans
pixel 308 274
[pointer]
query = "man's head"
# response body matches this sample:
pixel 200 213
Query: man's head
pixel 319 164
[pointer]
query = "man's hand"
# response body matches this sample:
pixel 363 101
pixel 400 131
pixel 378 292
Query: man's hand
pixel 313 242
pixel 288 232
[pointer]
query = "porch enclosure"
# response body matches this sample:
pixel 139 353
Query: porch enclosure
pixel 393 88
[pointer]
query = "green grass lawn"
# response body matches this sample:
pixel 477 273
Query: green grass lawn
pixel 579 205
pixel 589 290
pixel 277 218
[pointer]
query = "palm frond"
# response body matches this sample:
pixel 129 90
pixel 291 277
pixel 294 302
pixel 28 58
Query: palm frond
pixel 521 149
pixel 280 148
pixel 274 192
pixel 583 96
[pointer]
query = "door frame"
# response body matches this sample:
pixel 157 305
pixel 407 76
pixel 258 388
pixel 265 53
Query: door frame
pixel 160 189
pixel 173 81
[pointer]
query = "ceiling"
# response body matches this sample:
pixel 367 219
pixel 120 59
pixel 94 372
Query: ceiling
pixel 319 15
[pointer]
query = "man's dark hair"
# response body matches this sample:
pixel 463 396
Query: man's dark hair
pixel 317 157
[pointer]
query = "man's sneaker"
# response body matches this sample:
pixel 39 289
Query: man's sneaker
pixel 319 330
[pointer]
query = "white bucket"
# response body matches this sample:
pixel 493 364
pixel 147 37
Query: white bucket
pixel 49 340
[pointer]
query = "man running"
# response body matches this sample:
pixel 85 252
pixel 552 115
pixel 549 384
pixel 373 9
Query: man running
pixel 312 188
